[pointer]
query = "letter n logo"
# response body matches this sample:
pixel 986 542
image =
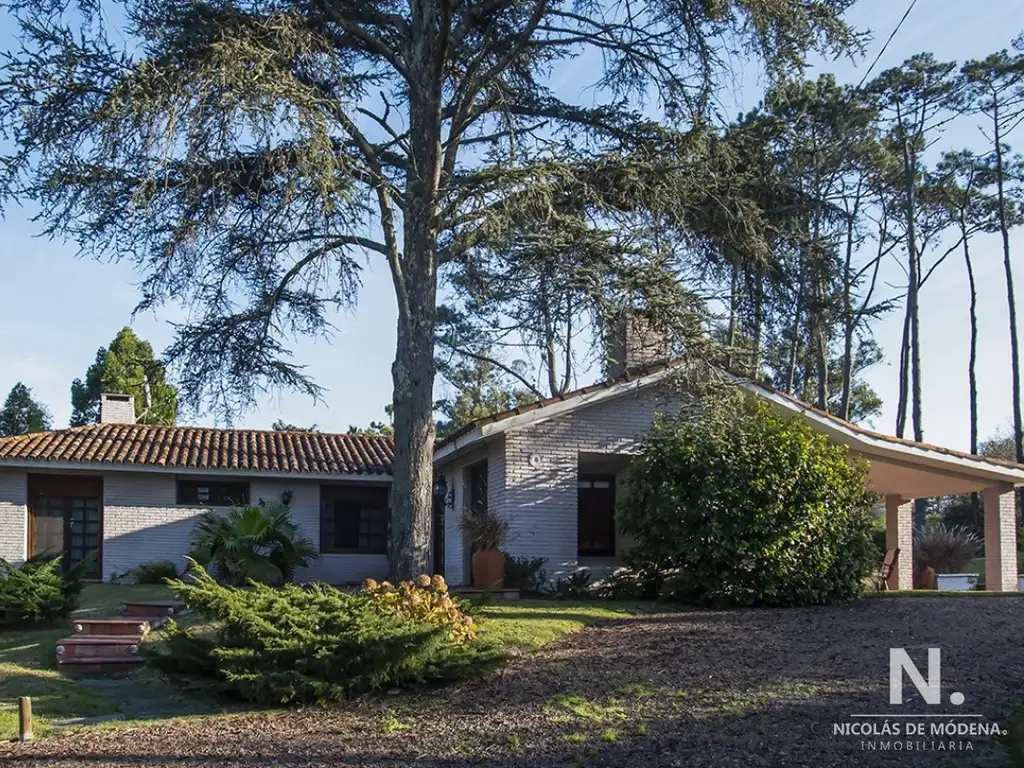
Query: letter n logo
pixel 900 662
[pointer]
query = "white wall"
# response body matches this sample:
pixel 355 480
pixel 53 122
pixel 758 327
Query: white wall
pixel 540 501
pixel 13 515
pixel 142 521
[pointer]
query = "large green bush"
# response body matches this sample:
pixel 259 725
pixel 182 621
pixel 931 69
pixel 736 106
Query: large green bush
pixel 256 542
pixel 737 505
pixel 38 590
pixel 303 645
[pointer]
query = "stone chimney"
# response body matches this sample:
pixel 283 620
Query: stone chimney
pixel 633 342
pixel 117 409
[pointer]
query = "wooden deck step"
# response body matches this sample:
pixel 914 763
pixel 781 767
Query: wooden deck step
pixel 115 625
pixel 90 649
pixel 101 665
pixel 159 609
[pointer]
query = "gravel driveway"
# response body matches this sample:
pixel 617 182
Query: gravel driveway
pixel 705 688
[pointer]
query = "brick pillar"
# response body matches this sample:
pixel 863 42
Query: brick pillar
pixel 899 534
pixel 1000 539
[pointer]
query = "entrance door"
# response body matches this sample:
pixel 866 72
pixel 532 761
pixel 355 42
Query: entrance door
pixel 66 518
pixel 595 517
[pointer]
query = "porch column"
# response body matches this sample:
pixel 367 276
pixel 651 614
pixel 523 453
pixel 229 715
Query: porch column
pixel 899 534
pixel 1000 538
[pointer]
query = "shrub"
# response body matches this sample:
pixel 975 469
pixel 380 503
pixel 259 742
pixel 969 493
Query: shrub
pixel 258 543
pixel 947 549
pixel 303 645
pixel 38 591
pixel 425 600
pixel 575 587
pixel 746 507
pixel 626 584
pixel 878 537
pixel 484 529
pixel 156 572
pixel 525 574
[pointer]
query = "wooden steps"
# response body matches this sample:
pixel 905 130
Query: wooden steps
pixel 159 609
pixel 110 645
pixel 116 625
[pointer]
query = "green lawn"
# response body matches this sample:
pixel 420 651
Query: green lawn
pixel 27 666
pixel 529 624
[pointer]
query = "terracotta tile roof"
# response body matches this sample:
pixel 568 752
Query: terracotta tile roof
pixel 637 373
pixel 202 448
pixel 891 438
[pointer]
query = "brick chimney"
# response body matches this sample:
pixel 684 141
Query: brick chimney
pixel 633 342
pixel 117 409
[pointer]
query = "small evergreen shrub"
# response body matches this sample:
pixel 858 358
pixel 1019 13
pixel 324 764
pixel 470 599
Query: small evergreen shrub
pixel 745 507
pixel 38 591
pixel 424 600
pixel 526 574
pixel 304 644
pixel 156 572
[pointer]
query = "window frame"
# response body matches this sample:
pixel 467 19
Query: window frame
pixel 375 498
pixel 182 501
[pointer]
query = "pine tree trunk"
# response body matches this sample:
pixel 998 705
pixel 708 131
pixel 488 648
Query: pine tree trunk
pixel 730 340
pixel 1018 427
pixel 409 536
pixel 794 338
pixel 972 374
pixel 901 400
pixel 755 363
pixel 849 320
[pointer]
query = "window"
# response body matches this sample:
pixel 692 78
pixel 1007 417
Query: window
pixel 354 519
pixel 212 493
pixel 595 522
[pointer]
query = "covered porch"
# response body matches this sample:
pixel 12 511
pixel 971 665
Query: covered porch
pixel 901 471
pixel 900 483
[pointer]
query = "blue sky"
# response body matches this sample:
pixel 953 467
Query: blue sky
pixel 56 309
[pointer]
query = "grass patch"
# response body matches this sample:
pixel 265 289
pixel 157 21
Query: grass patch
pixel 27 666
pixel 527 625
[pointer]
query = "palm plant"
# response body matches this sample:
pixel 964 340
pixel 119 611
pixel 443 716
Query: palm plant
pixel 258 543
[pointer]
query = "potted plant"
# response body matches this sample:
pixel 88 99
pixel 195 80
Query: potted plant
pixel 486 532
pixel 948 550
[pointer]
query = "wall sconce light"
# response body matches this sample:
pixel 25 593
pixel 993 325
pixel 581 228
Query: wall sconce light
pixel 442 492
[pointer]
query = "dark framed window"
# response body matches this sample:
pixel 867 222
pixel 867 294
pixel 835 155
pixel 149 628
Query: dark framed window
pixel 212 493
pixel 354 519
pixel 595 522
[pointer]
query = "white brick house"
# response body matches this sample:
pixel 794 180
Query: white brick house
pixel 553 469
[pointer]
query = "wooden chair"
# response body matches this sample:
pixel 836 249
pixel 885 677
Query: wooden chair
pixel 887 567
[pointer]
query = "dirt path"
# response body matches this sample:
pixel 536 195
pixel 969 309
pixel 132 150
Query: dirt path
pixel 732 688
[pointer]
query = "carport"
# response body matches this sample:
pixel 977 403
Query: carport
pixel 903 470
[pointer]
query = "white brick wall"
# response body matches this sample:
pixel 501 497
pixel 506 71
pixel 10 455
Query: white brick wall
pixel 540 501
pixel 1000 539
pixel 899 534
pixel 13 515
pixel 142 522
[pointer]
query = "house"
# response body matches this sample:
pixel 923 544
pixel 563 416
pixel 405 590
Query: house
pixel 554 469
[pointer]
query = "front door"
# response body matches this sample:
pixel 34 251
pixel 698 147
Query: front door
pixel 66 518
pixel 595 516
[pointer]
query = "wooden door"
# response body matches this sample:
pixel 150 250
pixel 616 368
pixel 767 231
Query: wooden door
pixel 66 518
pixel 595 517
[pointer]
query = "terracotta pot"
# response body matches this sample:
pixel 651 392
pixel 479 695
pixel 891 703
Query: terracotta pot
pixel 488 569
pixel 924 577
